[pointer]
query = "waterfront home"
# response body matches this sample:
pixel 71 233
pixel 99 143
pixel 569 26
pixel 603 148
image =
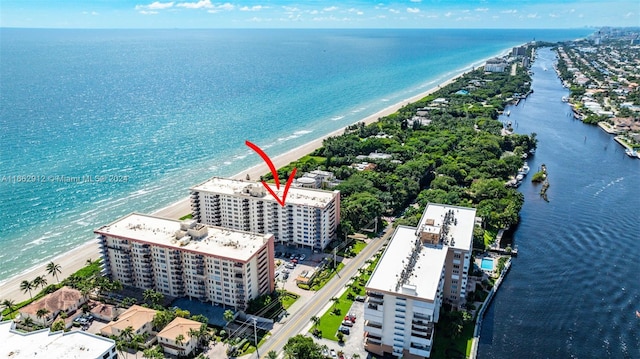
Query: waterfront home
pixel 137 317
pixel 168 337
pixel 64 300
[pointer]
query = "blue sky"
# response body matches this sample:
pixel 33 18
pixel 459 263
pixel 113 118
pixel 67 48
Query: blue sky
pixel 318 14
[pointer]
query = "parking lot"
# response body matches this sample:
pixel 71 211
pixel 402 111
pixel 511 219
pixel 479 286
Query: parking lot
pixel 354 342
pixel 289 270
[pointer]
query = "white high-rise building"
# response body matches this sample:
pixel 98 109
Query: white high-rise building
pixel 186 258
pixel 309 218
pixel 420 269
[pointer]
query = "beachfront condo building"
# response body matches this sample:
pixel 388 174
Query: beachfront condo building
pixel 421 268
pixel 309 217
pixel 188 259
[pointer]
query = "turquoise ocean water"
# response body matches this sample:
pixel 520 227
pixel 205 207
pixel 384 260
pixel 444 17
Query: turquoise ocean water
pixel 145 114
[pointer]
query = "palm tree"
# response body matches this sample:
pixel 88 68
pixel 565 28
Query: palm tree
pixel 28 321
pixel 228 316
pixel 8 303
pixel 335 300
pixel 54 269
pixel 39 281
pixel 26 286
pixel 315 320
pixel 272 355
pixel 58 325
pixel 42 313
pixel 153 353
pixel 179 342
pixel 127 334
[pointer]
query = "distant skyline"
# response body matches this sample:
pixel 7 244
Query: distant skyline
pixel 318 14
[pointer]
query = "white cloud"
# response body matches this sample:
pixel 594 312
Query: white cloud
pixel 253 8
pixel 145 12
pixel 394 11
pixel 330 8
pixel 553 15
pixel 628 15
pixel 533 16
pixel 482 9
pixel 413 10
pixel 513 11
pixel 448 14
pixel 415 0
pixel 93 13
pixel 196 5
pixel 157 5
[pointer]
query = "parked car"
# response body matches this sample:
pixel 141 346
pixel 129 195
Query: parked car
pixel 333 353
pixel 294 261
pixel 347 323
pixel 302 257
pixel 360 298
pixel 344 330
pixel 351 318
pixel 289 266
pixel 352 315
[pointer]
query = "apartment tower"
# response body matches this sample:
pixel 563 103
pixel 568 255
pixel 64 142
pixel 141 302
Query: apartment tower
pixel 309 218
pixel 186 258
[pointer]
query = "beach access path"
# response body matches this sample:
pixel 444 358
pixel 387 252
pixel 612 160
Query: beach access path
pixel 76 259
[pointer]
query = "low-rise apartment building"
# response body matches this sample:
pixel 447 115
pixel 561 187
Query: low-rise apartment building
pixel 188 259
pixel 309 217
pixel 421 268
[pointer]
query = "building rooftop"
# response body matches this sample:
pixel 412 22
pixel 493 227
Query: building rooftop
pixel 179 326
pixel 296 195
pixel 418 276
pixel 187 235
pixel 135 317
pixel 62 299
pixel 456 228
pixel 43 343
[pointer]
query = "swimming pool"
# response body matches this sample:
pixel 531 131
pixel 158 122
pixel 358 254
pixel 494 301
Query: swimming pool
pixel 487 264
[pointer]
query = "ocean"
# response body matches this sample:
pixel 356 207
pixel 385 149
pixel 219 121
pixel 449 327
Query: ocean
pixel 573 290
pixel 95 124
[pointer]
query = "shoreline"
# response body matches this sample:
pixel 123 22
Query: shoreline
pixel 76 258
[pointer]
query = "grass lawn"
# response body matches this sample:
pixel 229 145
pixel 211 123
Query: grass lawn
pixel 324 278
pixel 288 299
pixel 489 237
pixel 449 348
pixel 330 322
pixel 356 247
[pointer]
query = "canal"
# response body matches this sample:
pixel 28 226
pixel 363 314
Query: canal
pixel 574 288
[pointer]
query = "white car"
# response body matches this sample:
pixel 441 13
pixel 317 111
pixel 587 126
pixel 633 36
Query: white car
pixel 302 257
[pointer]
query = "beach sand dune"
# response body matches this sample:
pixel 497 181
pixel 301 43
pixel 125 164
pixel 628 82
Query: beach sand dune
pixel 75 259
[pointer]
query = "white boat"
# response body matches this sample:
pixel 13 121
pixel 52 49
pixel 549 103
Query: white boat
pixel 565 98
pixel 524 170
pixel 519 177
pixel 631 153
pixel 508 113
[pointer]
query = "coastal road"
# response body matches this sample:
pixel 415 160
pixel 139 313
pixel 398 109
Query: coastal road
pixel 301 319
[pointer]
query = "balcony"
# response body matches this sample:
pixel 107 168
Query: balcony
pixel 372 327
pixel 372 339
pixel 423 351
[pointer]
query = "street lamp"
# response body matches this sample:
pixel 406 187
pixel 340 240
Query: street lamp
pixel 255 336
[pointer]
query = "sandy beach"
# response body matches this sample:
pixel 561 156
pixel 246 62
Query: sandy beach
pixel 75 259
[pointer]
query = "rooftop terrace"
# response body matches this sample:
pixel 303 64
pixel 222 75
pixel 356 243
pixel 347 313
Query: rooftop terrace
pixel 296 195
pixel 186 235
